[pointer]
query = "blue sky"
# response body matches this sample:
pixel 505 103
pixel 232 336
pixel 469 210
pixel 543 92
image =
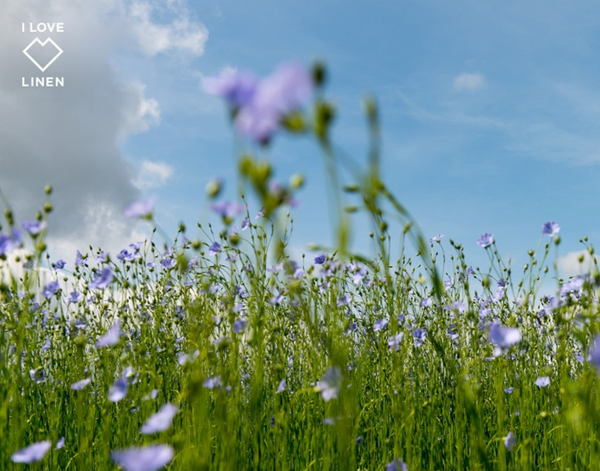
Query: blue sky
pixel 490 110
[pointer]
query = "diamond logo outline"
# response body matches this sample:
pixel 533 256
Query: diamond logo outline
pixel 37 40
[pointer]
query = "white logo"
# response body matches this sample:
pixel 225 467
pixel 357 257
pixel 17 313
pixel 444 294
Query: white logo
pixel 59 51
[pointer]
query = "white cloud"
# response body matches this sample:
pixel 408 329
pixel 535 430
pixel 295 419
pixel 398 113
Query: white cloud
pixel 153 175
pixel 181 34
pixel 570 265
pixel 69 137
pixel 468 81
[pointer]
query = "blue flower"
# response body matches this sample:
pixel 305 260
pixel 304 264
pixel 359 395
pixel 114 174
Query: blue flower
pixel 237 87
pixel 59 264
pixel 396 465
pixel 51 289
pixel 118 390
pixel 34 227
pixel 32 453
pixel 436 238
pixel 79 385
pixel 160 421
pixel 510 441
pixel 103 279
pixel 111 337
pixel 380 324
pixel 542 382
pixel 419 336
pixel 9 243
pixel 215 248
pixel 485 240
pixel 504 337
pixel 149 458
pixel 320 259
pixel 141 209
pixel 330 383
pixel 550 229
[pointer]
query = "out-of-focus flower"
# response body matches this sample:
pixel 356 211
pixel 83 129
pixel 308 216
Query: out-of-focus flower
pixel 542 382
pixel 32 453
pixel 141 209
pixel 160 421
pixel 504 337
pixel 510 441
pixel 330 383
pixel 550 229
pixel 149 458
pixel 111 337
pixel 34 227
pixel 79 385
pixel 103 279
pixel 485 240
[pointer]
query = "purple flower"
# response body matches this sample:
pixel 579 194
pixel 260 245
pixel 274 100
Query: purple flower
pixel 33 227
pixel 38 375
pixel 215 248
pixel 343 300
pixel 79 259
pixel 380 324
pixel 32 453
pixel 111 337
pixel 51 289
pixel 396 465
pixel 59 264
pixel 550 229
pixel 214 382
pixel 103 279
pixel 504 337
pixel 281 387
pixel 79 385
pixel 168 262
pixel 320 259
pixel 330 383
pixel 239 326
pixel 436 238
pixel 594 357
pixel 395 340
pixel 238 88
pixel 426 302
pixel 75 297
pixel 160 421
pixel 141 209
pixel 228 209
pixel 148 458
pixel 510 441
pixel 542 382
pixel 9 243
pixel 274 97
pixel 60 443
pixel 485 240
pixel 245 223
pixel 118 390
pixel 419 336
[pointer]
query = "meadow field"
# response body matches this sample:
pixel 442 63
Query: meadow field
pixel 216 350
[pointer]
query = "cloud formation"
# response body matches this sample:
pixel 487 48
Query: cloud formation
pixel 468 82
pixel 68 136
pixel 570 264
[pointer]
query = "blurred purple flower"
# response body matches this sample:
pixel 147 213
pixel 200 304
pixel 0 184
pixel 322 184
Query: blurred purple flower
pixel 74 297
pixel 51 289
pixel 9 243
pixel 215 248
pixel 59 264
pixel 118 390
pixel 160 421
pixel 148 458
pixel 238 88
pixel 111 337
pixel 141 209
pixel 60 443
pixel 320 259
pixel 79 385
pixel 485 240
pixel 396 465
pixel 436 238
pixel 343 300
pixel 103 279
pixel 395 340
pixel 282 386
pixel 542 381
pixel 419 336
pixel 550 229
pixel 510 441
pixel 380 324
pixel 211 383
pixel 227 209
pixel 504 337
pixel 34 227
pixel 594 356
pixel 330 383
pixel 32 453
